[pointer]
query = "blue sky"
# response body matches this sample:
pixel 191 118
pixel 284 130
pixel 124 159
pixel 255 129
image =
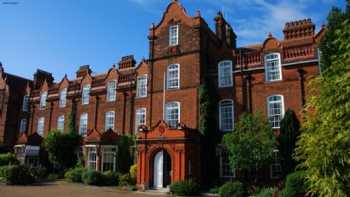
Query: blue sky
pixel 60 35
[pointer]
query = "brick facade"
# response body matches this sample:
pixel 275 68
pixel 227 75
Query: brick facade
pixel 198 54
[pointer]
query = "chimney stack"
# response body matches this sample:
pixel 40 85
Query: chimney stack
pixel 224 31
pixel 83 71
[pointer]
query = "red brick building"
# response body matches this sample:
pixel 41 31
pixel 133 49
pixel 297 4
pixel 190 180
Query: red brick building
pixel 158 99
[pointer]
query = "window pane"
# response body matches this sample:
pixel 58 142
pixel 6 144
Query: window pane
pixel 174 35
pixel 173 114
pixel 26 103
pixel 63 98
pixel 23 126
pixel 86 94
pixel 111 91
pixel 60 123
pixel 225 74
pixel 173 76
pixel 41 124
pixel 226 115
pixel 83 126
pixel 43 98
pixel 109 120
pixel 140 118
pixel 275 110
pixel 273 67
pixel 141 90
pixel 92 155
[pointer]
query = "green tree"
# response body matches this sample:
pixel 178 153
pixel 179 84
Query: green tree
pixel 323 147
pixel 250 145
pixel 287 140
pixel 62 147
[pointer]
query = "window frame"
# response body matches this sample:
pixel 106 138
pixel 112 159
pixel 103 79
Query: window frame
pixel 137 113
pixel 222 64
pixel 233 115
pixel 267 70
pixel 221 160
pixel 92 149
pixel 107 118
pixel 62 103
pixel 179 113
pixel 60 120
pixel 103 159
pixel 171 44
pixel 282 109
pixel 26 100
pixel 111 96
pixel 41 126
pixel 43 102
pixel 80 123
pixel 85 95
pixel 139 87
pixel 168 78
pixel 23 125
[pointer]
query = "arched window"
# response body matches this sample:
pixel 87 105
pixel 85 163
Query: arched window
pixel 60 123
pixel 172 114
pixel 83 124
pixel 275 110
pixel 226 115
pixel 111 91
pixel 173 76
pixel 273 70
pixel 225 74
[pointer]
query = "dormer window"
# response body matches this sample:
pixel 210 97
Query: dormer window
pixel 225 74
pixel 111 91
pixel 43 98
pixel 63 98
pixel 273 70
pixel 174 35
pixel 85 97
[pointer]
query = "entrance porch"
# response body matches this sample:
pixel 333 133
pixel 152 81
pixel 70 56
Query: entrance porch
pixel 167 155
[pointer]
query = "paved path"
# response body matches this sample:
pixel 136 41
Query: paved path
pixel 63 189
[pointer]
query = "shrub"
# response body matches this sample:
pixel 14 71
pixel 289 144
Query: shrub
pixel 8 158
pixel 52 177
pixel 232 189
pixel 214 190
pixel 295 184
pixel 126 180
pixel 110 178
pixel 133 171
pixel 266 192
pixel 19 175
pixel 74 175
pixel 3 171
pixel 38 173
pixel 92 178
pixel 185 188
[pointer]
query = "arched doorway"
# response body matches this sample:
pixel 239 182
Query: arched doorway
pixel 161 170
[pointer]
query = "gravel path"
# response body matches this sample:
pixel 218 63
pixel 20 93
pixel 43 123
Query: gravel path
pixel 63 189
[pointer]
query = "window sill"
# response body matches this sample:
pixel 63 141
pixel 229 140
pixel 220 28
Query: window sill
pixel 228 86
pixel 141 97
